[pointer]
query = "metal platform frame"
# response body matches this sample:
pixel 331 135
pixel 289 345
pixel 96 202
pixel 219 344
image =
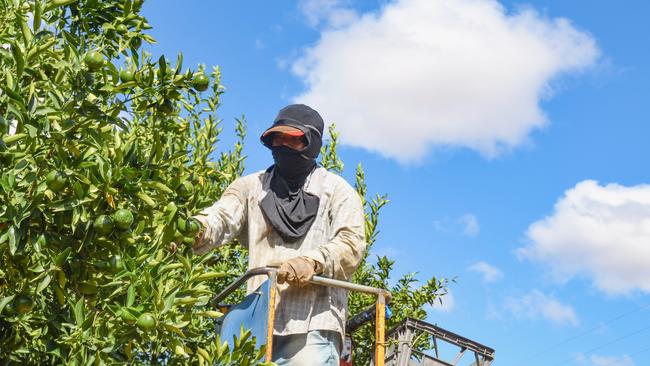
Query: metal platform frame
pixel 383 297
pixel 403 354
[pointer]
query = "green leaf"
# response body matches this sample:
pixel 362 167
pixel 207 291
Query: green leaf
pixel 158 186
pixel 61 257
pixel 174 329
pixel 130 296
pixel 179 64
pixel 19 59
pixel 4 301
pixel 162 64
pixel 169 301
pixel 10 139
pixel 38 12
pixel 13 240
pixel 68 204
pixel 44 283
pixel 79 312
pixel 185 261
pixel 146 199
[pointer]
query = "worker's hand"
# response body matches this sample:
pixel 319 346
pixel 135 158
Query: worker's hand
pixel 202 240
pixel 297 271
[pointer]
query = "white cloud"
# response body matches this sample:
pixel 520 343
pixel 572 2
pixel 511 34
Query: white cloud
pixel 597 360
pixel 420 74
pixel 466 224
pixel 490 273
pixel 333 13
pixel 599 232
pixel 386 251
pixel 470 223
pixel 535 305
pixel 443 304
pixel 625 360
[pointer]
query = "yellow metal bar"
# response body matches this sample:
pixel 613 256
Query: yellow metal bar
pixel 271 316
pixel 380 321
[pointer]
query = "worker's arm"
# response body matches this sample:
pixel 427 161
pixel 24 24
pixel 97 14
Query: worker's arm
pixel 222 221
pixel 341 255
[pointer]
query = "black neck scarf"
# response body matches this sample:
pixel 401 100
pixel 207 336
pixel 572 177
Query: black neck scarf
pixel 286 205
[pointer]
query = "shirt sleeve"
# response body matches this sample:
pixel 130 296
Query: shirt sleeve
pixel 341 255
pixel 223 221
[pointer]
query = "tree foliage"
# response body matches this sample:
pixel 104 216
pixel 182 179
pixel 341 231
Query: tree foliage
pixel 90 126
pixel 105 154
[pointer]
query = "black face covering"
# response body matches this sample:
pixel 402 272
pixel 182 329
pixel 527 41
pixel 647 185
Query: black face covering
pixel 292 166
pixel 286 205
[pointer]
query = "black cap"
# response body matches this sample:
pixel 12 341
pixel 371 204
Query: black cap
pixel 300 115
pixel 303 118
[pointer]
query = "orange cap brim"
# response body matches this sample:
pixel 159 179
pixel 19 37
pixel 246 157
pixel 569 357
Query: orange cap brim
pixel 291 131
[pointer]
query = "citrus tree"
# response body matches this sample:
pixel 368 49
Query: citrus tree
pixel 105 155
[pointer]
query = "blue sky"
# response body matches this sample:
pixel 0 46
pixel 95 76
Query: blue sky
pixel 511 138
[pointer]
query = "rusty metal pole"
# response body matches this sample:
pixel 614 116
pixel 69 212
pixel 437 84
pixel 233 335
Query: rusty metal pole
pixel 273 278
pixel 380 325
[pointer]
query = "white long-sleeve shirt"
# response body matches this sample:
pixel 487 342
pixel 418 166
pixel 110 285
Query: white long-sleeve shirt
pixel 336 240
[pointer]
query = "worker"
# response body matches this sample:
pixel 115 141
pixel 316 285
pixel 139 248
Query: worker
pixel 303 218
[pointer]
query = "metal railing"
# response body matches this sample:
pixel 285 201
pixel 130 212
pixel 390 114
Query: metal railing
pixel 383 297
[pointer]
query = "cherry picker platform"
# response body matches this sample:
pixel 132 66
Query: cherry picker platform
pixel 257 313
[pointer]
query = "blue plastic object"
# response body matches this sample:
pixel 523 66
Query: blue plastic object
pixel 252 313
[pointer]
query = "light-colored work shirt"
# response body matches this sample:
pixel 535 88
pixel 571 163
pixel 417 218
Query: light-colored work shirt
pixel 336 240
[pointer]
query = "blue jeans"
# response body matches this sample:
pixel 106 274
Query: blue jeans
pixel 318 347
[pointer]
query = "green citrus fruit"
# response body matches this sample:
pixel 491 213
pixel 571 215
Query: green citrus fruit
pixel 123 218
pixel 94 60
pixel 122 28
pixel 146 322
pixel 136 43
pixel 127 75
pixel 166 107
pixel 185 190
pixel 200 82
pixel 23 304
pixel 103 225
pixel 188 226
pixel 55 180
